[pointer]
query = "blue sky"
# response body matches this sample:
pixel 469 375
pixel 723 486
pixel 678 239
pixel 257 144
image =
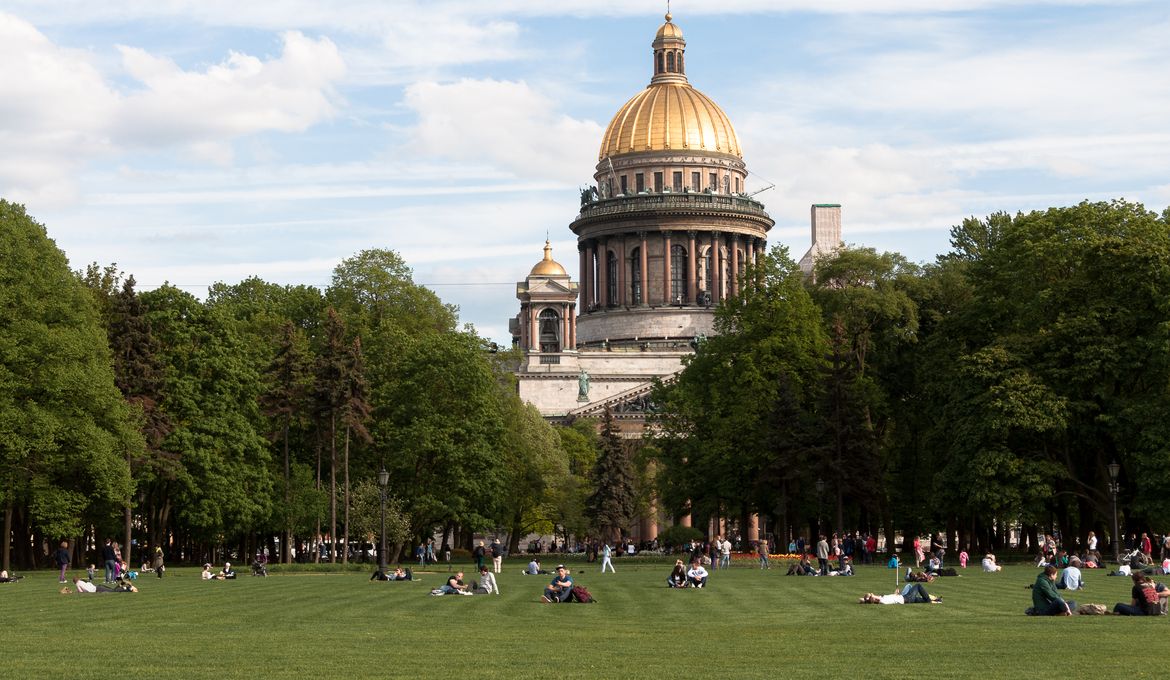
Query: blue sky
pixel 196 142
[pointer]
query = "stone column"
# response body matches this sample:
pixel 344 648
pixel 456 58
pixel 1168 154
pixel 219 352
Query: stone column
pixel 572 326
pixel 643 262
pixel 534 325
pixel 583 252
pixel 603 274
pixel 666 298
pixel 692 280
pixel 733 252
pixel 716 267
pixel 522 321
pixel 753 530
pixel 565 326
pixel 622 289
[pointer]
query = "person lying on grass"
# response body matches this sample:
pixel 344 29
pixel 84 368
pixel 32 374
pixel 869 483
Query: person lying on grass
pixel 802 568
pixel 85 587
pixel 678 577
pixel 455 585
pixel 561 587
pixel 911 593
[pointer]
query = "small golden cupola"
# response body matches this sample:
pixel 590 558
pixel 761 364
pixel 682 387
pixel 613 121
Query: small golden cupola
pixel 669 47
pixel 548 266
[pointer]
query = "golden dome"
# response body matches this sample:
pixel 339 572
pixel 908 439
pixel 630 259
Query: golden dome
pixel 670 116
pixel 548 266
pixel 668 30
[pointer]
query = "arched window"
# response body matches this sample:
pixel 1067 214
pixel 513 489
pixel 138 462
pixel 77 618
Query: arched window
pixel 680 63
pixel 670 62
pixel 550 331
pixel 678 275
pixel 636 276
pixel 659 68
pixel 611 283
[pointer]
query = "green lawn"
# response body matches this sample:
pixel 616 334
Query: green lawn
pixel 747 623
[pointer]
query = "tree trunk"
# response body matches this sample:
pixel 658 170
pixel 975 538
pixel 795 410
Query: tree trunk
pixel 8 535
pixel 332 488
pixel 286 549
pixel 345 465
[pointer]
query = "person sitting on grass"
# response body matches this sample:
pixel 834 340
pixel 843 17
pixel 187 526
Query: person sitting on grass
pixel 401 574
pixel 561 587
pixel 911 593
pixel 226 573
pixel 697 575
pixel 802 568
pixel 455 585
pixel 487 582
pixel 534 568
pixel 989 563
pixel 1146 598
pixel 1070 579
pixel 678 577
pixel 1046 601
pixel 206 575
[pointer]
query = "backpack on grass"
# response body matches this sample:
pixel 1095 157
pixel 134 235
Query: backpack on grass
pixel 581 594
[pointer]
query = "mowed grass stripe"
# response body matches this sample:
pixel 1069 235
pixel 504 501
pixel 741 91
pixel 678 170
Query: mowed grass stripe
pixel 747 623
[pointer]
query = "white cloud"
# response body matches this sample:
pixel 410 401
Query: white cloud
pixel 59 111
pixel 240 96
pixel 506 123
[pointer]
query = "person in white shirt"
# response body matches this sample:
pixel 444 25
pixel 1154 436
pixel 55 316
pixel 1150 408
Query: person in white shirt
pixel 725 554
pixel 893 598
pixel 605 561
pixel 696 575
pixel 84 586
pixel 989 563
pixel 487 581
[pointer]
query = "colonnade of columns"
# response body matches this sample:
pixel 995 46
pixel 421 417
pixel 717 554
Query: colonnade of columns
pixel 530 324
pixel 595 253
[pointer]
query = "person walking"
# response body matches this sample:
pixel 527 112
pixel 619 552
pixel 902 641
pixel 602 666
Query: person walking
pixel 62 560
pixel 606 553
pixel 479 553
pixel 497 550
pixel 725 554
pixel 762 547
pixel 159 568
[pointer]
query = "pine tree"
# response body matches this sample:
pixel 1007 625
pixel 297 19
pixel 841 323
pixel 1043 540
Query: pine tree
pixel 329 397
pixel 355 412
pixel 286 401
pixel 611 506
pixel 138 373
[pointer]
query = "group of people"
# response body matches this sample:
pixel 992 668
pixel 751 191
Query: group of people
pixel 682 577
pixel 225 574
pixel 455 585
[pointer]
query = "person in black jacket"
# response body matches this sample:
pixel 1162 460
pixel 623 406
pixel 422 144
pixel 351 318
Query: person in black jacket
pixel 62 560
pixel 111 559
pixel 478 553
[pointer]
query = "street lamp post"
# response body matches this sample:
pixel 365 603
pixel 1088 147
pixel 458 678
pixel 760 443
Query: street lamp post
pixel 383 480
pixel 1114 487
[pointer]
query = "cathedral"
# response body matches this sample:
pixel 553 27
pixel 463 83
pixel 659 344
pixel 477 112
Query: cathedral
pixel 662 237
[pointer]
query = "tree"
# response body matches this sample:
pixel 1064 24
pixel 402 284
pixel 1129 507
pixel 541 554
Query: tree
pixel 738 424
pixel 286 400
pixel 65 431
pixel 611 505
pixel 355 412
pixel 332 378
